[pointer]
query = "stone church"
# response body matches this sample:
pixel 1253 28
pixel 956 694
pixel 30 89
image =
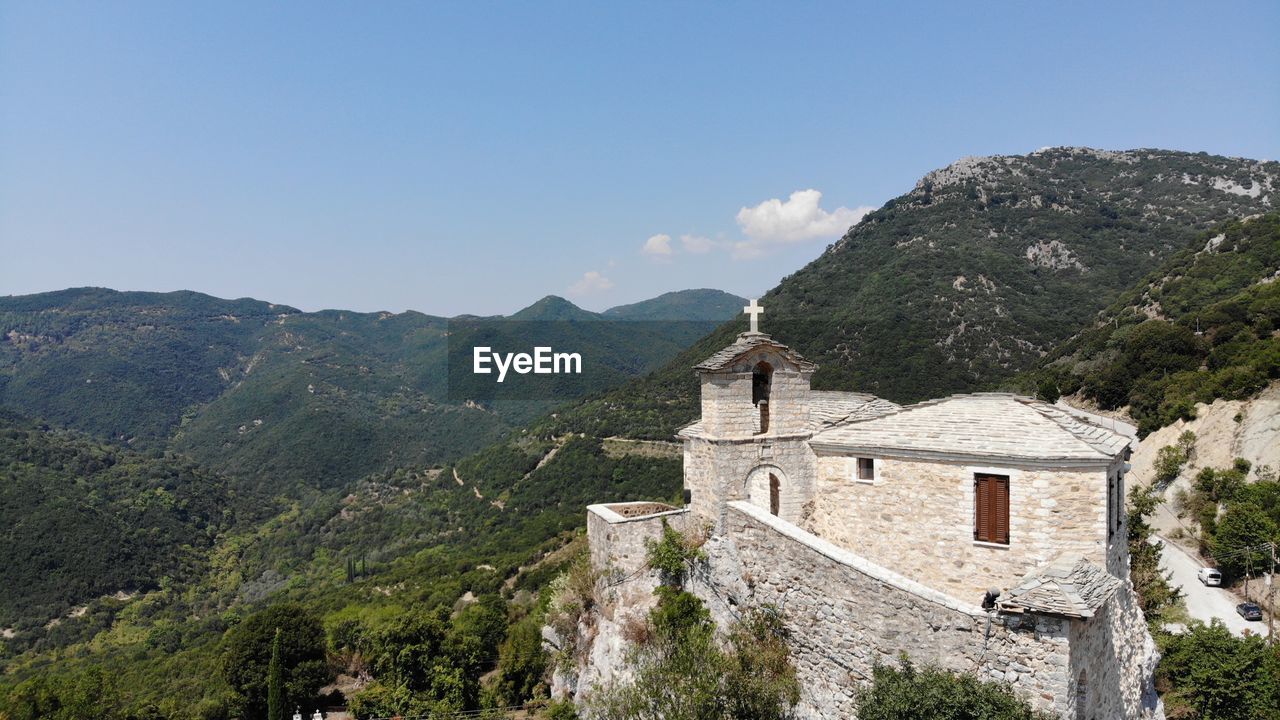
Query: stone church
pixel 983 533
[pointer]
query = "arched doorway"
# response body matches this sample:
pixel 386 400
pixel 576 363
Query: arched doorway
pixel 766 488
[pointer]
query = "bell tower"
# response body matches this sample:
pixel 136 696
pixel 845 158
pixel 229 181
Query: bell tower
pixel 750 443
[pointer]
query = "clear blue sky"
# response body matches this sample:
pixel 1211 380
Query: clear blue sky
pixel 474 156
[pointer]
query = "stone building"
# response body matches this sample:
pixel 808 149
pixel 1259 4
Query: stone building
pixel 880 530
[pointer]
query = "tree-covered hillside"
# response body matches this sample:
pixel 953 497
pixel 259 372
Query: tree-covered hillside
pixel 970 277
pixel 124 365
pixel 293 399
pixel 379 532
pixel 80 520
pixel 1205 325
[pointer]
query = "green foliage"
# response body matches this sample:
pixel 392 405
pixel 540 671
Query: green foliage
pixel 687 673
pixel 522 663
pixel 1236 540
pixel 1235 516
pixel 672 554
pixel 910 692
pixel 1156 593
pixel 426 662
pixel 1201 327
pixel 249 647
pixel 275 681
pixel 1209 674
pixel 1171 458
pixel 80 520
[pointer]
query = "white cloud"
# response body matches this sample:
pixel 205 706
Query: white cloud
pixel 775 222
pixel 657 246
pixel 697 244
pixel 591 282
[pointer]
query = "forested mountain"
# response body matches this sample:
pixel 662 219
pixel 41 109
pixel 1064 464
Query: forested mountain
pixel 1205 325
pixel 972 276
pixel 80 519
pixel 286 397
pixel 124 365
pixel 683 305
pixel 386 536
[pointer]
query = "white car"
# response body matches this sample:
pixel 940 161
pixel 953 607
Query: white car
pixel 1210 577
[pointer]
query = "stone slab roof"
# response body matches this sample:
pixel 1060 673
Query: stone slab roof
pixel 745 343
pixel 826 408
pixel 1070 587
pixel 980 426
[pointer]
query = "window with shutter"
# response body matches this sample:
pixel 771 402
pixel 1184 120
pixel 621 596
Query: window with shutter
pixel 991 508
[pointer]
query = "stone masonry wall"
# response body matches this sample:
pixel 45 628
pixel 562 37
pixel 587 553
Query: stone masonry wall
pixel 624 592
pixel 916 518
pixel 1115 656
pixel 717 472
pixel 845 614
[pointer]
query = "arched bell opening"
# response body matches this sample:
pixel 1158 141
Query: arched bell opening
pixel 761 385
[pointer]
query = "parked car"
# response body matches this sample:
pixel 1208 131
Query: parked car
pixel 1249 611
pixel 1210 577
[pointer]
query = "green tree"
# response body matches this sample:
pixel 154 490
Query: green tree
pixel 247 651
pixel 1209 674
pixel 275 681
pixel 522 662
pixel 1155 592
pixel 910 692
pixel 1243 528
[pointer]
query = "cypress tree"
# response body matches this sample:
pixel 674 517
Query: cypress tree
pixel 275 682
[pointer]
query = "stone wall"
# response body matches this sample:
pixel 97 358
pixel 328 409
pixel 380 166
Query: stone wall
pixel 624 591
pixel 845 613
pixel 916 518
pixel 719 471
pixel 617 536
pixel 1115 657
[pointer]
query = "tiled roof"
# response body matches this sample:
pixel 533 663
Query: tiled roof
pixel 1071 587
pixel 826 407
pixel 983 425
pixel 746 342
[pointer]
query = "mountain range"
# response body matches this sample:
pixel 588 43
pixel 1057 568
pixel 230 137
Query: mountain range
pixel 1033 271
pixel 266 391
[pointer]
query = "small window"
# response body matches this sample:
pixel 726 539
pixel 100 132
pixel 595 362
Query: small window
pixel 775 494
pixel 991 508
pixel 866 469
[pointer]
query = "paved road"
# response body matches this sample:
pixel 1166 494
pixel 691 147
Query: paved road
pixel 1204 603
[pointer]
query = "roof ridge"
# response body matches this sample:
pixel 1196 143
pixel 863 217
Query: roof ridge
pixel 746 342
pixel 1089 433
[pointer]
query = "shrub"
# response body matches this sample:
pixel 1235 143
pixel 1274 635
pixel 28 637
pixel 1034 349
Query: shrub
pixel 929 692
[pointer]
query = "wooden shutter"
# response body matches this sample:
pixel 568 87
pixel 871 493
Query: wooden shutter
pixel 981 508
pixel 991 508
pixel 1000 508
